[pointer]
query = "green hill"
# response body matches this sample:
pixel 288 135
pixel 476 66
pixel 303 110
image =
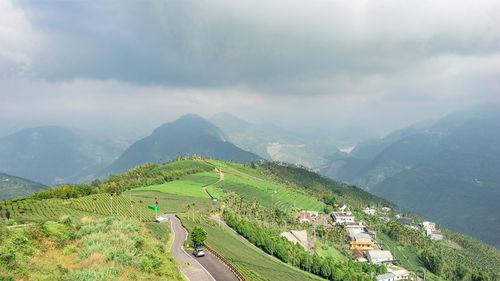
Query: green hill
pixel 259 201
pixel 190 134
pixel 12 187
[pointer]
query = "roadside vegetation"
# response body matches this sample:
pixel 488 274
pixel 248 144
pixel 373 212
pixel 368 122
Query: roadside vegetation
pixel 104 249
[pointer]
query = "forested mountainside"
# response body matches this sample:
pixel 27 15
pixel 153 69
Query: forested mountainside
pixel 12 187
pixel 446 171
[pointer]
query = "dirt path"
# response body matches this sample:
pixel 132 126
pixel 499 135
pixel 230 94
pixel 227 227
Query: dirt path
pixel 221 178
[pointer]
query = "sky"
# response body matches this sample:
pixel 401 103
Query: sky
pixel 349 69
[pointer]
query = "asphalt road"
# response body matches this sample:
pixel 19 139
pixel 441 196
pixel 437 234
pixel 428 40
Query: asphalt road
pixel 207 268
pixel 189 266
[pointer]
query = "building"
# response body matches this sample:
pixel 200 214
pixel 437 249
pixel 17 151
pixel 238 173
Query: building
pixel 401 274
pixel 428 225
pixel 386 277
pixel 313 213
pixel 369 211
pixel 342 207
pixel 304 216
pixel 342 217
pixel 362 242
pixel 435 234
pixel 356 227
pixel 386 209
pixel 378 256
pixel 297 236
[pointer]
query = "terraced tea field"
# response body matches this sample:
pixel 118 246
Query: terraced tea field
pixel 250 184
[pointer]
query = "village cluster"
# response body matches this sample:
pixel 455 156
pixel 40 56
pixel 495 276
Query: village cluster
pixel 362 240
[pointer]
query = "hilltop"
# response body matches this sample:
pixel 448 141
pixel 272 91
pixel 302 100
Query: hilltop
pixel 188 135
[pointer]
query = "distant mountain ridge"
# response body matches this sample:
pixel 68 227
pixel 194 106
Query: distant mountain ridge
pixel 272 142
pixel 13 187
pixel 446 171
pixel 52 155
pixel 189 134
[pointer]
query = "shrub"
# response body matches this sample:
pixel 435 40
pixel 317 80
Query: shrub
pixel 6 278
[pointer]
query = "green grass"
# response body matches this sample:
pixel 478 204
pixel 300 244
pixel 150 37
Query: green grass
pixel 324 250
pixel 407 255
pixel 252 263
pixel 107 249
pixel 188 186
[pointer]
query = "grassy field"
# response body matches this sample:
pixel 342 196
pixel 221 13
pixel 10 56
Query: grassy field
pixel 107 249
pixel 324 250
pixel 250 184
pixel 188 186
pixel 253 264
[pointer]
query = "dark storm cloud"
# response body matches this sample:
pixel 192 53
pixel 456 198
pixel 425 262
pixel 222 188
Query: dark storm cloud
pixel 272 46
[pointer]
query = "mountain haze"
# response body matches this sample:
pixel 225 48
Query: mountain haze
pixel 189 134
pixel 272 142
pixel 446 171
pixel 53 155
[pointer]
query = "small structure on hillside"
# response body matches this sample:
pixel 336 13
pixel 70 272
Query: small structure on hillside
pixel 401 274
pixel 342 217
pixel 429 226
pixel 362 242
pixel 369 211
pixel 342 206
pixel 386 209
pixel 304 216
pixel 313 213
pixel 379 256
pixel 386 277
pixel 435 234
pixel 297 236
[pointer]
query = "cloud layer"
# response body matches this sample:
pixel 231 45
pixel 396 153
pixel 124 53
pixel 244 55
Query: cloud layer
pixel 378 64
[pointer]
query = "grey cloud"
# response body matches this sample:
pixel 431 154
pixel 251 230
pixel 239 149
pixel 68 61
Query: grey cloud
pixel 270 46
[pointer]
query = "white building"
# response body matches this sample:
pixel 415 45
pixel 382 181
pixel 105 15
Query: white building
pixel 386 277
pixel 401 274
pixel 435 234
pixel 313 213
pixel 378 256
pixel 369 211
pixel 342 217
pixel 428 225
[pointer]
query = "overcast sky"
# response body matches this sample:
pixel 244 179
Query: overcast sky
pixel 336 66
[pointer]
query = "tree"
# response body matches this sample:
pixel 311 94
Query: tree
pixel 198 235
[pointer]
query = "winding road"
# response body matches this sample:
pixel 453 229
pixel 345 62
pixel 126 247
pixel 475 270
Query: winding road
pixel 207 268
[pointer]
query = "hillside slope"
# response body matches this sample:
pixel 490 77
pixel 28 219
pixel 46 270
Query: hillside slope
pixel 12 187
pixel 190 134
pixel 437 170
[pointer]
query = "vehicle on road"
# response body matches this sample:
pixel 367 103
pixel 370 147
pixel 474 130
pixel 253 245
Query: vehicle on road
pixel 161 219
pixel 198 253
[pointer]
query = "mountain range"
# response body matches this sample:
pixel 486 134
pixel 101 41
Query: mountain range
pixel 445 170
pixel 13 187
